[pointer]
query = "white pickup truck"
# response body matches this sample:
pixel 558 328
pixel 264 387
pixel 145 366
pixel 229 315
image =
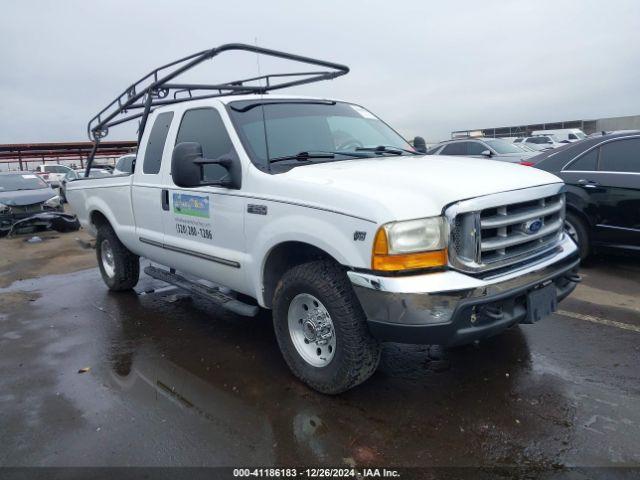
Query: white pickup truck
pixel 319 211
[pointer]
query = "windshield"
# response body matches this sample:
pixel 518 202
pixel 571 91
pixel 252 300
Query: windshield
pixel 501 147
pixel 291 127
pixel 55 169
pixel 21 181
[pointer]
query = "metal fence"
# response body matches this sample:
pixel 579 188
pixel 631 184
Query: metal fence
pixel 27 156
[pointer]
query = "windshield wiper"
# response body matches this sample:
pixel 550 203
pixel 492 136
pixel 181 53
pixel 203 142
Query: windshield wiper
pixel 305 156
pixel 302 156
pixel 387 149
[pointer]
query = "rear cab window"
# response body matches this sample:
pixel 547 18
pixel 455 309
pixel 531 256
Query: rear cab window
pixel 155 143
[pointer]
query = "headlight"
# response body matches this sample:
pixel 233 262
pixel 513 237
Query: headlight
pixel 53 202
pixel 411 244
pixel 3 208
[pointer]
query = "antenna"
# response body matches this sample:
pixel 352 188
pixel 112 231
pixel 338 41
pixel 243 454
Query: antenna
pixel 264 119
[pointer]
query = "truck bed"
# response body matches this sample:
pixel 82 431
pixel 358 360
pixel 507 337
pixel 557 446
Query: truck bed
pixel 110 195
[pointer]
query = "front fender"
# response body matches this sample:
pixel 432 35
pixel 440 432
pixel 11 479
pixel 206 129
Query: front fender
pixel 332 233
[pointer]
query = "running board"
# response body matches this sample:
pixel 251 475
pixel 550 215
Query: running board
pixel 212 294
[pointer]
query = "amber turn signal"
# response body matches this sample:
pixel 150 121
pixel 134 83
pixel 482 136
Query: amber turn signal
pixel 381 260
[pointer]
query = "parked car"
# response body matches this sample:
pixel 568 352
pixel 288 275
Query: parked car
pixel 79 173
pixel 534 146
pixel 563 135
pixel 526 147
pixel 540 142
pixel 488 148
pixel 602 133
pixel 124 165
pixel 23 194
pixel 603 190
pixel 52 173
pixel 320 211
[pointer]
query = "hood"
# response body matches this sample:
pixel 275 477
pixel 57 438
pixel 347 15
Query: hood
pixel 398 188
pixel 19 198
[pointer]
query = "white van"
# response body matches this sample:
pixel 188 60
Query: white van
pixel 564 135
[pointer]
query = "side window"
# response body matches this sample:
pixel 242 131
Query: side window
pixel 454 149
pixel 205 126
pixel 585 163
pixel 125 164
pixel 620 156
pixel 573 136
pixel 476 148
pixel 155 144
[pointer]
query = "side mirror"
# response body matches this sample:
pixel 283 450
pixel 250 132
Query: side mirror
pixel 187 166
pixel 419 145
pixel 486 153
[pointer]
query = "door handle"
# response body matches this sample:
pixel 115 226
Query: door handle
pixel 164 197
pixel 583 182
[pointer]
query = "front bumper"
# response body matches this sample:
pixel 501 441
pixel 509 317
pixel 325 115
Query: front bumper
pixel 452 308
pixel 54 218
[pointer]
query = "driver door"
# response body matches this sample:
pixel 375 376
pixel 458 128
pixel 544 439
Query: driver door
pixel 204 226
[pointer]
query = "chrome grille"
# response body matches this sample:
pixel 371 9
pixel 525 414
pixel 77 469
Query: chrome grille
pixel 500 235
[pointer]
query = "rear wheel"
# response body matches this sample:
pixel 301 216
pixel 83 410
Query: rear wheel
pixel 577 230
pixel 321 328
pixel 120 269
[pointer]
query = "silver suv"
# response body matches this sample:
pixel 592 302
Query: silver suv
pixel 489 148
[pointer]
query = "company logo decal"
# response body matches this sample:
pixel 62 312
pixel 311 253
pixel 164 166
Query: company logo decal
pixel 191 205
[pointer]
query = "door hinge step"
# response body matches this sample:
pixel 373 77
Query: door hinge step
pixel 211 294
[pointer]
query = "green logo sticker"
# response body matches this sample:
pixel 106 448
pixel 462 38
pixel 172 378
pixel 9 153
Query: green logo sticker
pixel 191 205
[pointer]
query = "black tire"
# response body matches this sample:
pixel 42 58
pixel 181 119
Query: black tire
pixel 575 223
pixel 357 353
pixel 126 265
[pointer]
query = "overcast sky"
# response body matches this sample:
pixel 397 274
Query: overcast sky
pixel 427 68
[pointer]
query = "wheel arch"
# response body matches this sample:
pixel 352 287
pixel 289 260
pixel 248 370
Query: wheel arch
pixel 284 256
pixel 97 219
pixel 581 216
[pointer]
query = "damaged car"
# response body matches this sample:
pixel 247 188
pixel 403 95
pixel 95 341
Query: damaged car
pixel 27 201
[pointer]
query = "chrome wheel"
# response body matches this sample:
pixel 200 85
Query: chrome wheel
pixel 571 231
pixel 311 330
pixel 106 256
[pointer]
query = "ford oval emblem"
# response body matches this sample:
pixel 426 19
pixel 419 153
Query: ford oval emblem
pixel 532 226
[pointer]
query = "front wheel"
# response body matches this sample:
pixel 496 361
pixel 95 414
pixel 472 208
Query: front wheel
pixel 577 230
pixel 321 328
pixel 120 269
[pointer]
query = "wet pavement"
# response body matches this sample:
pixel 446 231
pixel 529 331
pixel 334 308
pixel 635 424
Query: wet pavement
pixel 175 380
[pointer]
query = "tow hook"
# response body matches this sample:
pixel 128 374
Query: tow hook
pixel 494 313
pixel 573 277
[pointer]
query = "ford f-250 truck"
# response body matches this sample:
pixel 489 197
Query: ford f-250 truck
pixel 321 212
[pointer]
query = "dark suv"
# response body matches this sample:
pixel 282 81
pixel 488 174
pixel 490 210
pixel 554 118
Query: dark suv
pixel 603 190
